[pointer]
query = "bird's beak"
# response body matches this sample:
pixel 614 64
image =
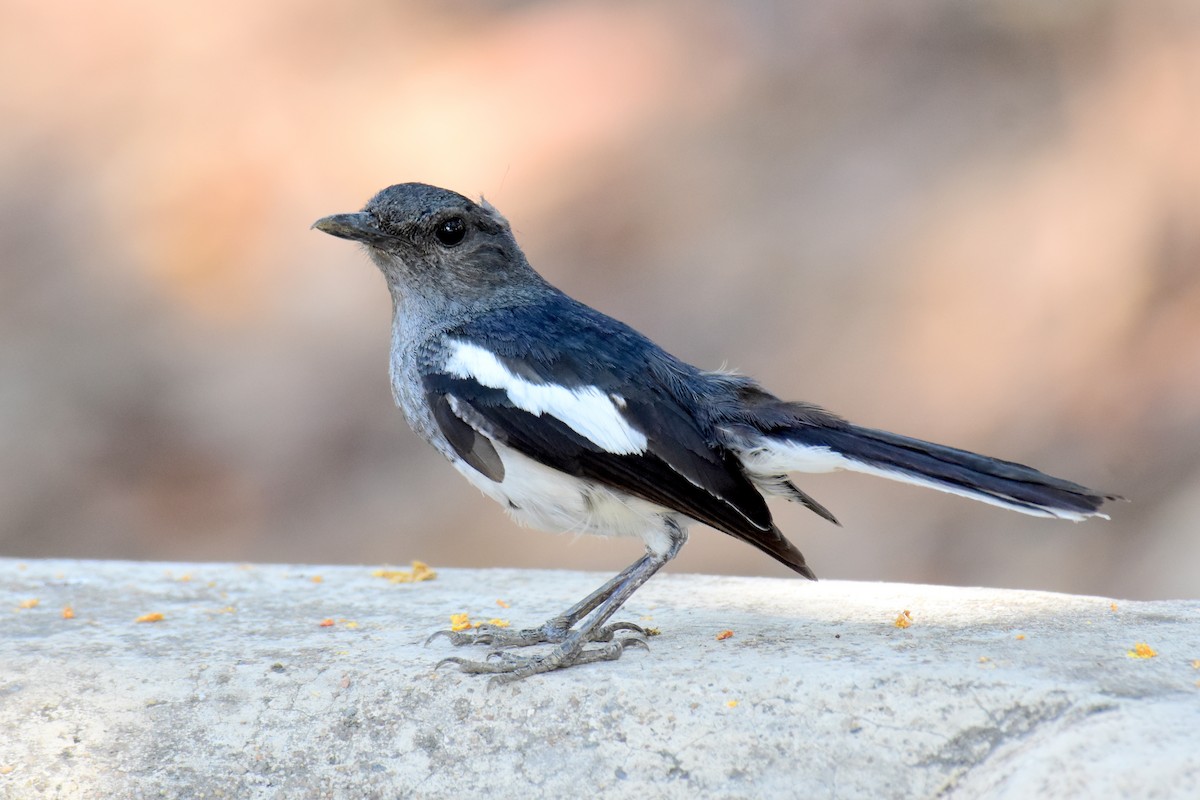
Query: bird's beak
pixel 358 227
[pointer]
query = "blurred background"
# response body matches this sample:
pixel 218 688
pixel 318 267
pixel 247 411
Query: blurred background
pixel 977 223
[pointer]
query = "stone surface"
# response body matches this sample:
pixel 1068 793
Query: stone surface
pixel 241 692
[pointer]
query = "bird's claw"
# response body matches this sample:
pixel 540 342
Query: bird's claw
pixel 606 633
pixel 550 633
pixel 505 667
pixel 484 634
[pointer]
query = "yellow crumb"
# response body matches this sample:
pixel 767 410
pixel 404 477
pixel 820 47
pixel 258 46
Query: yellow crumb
pixel 151 617
pixel 68 612
pixel 502 603
pixel 903 619
pixel 1142 650
pixel 731 703
pixel 393 575
pixel 32 602
pixel 653 632
pixel 1196 663
pixel 420 572
pixel 1020 637
pixel 1112 606
pixel 984 659
pixel 723 635
pixel 7 768
pixel 316 579
pixel 459 622
pixel 185 577
pixel 351 624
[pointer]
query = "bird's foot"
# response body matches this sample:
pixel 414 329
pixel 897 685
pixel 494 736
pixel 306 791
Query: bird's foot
pixel 554 631
pixel 507 667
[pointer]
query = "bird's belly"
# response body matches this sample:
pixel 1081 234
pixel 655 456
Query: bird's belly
pixel 542 497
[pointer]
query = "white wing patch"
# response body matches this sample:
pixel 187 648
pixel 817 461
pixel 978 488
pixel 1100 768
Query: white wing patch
pixel 586 410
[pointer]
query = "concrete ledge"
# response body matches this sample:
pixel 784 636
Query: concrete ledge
pixel 240 692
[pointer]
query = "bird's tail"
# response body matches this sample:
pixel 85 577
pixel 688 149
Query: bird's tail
pixel 817 448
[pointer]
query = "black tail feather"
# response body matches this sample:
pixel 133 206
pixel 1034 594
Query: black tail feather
pixel 992 480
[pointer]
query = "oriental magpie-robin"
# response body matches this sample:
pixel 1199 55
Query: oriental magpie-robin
pixel 574 421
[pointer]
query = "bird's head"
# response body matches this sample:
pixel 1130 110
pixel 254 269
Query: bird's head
pixel 435 242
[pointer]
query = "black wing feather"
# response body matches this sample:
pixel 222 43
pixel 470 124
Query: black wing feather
pixel 561 341
pixel 472 448
pixel 701 481
pixel 680 470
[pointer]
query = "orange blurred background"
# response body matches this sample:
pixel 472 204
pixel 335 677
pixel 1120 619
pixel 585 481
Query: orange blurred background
pixel 974 223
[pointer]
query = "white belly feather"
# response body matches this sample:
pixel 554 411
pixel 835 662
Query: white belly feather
pixel 541 497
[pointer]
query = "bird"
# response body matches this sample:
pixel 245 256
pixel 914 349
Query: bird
pixel 572 420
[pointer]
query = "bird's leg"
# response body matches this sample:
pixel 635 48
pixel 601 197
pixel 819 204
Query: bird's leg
pixel 507 667
pixel 556 628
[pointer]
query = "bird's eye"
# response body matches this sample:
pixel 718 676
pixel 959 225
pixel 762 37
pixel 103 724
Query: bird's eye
pixel 451 231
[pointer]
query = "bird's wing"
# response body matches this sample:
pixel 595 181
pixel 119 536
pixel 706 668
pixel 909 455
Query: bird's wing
pixel 578 414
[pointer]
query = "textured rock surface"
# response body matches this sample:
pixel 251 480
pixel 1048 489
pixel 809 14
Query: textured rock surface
pixel 240 692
